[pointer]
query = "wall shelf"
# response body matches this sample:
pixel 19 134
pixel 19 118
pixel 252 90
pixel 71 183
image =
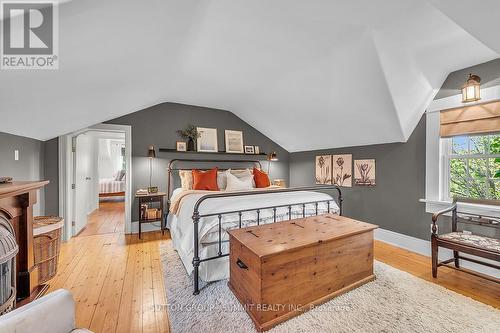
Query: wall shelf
pixel 170 150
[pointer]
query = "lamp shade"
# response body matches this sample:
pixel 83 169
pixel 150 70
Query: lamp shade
pixel 151 152
pixel 273 157
pixel 471 90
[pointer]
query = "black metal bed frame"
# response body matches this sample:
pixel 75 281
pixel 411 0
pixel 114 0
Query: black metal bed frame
pixel 197 216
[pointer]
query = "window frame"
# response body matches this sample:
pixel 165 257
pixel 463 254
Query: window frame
pixel 446 148
pixel 434 183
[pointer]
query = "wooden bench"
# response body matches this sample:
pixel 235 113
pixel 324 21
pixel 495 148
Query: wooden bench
pixel 463 242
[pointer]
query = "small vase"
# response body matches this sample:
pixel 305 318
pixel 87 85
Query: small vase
pixel 190 145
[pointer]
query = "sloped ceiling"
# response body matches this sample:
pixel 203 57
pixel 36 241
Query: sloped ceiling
pixel 308 74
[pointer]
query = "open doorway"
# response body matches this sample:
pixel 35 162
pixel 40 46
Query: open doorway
pixel 100 179
pixel 100 182
pixel 95 186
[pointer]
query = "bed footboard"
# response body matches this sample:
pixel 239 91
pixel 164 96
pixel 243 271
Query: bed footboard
pixel 197 216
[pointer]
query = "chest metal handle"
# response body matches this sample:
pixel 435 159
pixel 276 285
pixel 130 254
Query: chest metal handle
pixel 241 264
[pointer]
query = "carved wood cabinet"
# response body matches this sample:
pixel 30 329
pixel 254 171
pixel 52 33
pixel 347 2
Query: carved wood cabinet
pixel 16 205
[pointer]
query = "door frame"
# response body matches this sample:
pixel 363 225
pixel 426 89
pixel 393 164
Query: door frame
pixel 66 167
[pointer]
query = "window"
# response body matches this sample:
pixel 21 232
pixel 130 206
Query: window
pixel 472 167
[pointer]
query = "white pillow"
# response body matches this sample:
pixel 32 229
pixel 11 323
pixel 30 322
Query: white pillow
pixel 240 173
pixel 238 184
pixel 243 174
pixel 186 179
pixel 221 179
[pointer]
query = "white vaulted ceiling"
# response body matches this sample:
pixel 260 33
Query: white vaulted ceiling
pixel 308 74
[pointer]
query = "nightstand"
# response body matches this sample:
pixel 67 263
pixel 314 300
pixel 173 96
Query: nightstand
pixel 151 208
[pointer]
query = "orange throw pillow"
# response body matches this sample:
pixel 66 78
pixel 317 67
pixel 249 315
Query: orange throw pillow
pixel 205 180
pixel 261 178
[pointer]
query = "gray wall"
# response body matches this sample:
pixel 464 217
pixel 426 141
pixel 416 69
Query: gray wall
pixel 400 175
pixel 157 126
pixel 51 173
pixel 30 165
pixel 488 71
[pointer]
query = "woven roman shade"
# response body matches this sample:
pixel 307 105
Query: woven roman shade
pixel 474 119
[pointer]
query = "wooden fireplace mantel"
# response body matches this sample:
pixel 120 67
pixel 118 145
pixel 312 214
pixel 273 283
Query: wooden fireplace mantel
pixel 16 188
pixel 16 204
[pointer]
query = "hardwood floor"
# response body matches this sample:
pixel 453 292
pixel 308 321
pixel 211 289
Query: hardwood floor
pixel 117 279
pixel 472 286
pixel 110 217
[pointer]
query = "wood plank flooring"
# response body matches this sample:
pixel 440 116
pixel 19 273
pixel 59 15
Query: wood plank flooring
pixel 472 286
pixel 110 217
pixel 117 279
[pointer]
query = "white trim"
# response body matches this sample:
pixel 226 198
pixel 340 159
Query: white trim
pixel 65 177
pixel 463 207
pixel 435 165
pixel 423 247
pixel 66 173
pixel 433 181
pixel 489 94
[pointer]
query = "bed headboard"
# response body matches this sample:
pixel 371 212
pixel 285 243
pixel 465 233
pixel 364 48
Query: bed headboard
pixel 204 164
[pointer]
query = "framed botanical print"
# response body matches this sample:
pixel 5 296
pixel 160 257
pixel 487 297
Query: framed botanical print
pixel 324 169
pixel 207 142
pixel 342 170
pixel 234 141
pixel 364 172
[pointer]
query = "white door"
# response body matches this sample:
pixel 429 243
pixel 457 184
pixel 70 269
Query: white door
pixel 82 181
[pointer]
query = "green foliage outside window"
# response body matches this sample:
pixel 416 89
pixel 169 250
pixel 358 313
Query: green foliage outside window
pixel 475 167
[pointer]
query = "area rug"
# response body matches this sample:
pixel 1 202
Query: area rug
pixel 395 302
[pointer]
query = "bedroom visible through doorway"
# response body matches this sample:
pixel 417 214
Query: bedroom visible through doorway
pixel 100 182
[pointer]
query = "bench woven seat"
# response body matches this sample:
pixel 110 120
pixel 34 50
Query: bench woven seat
pixel 465 242
pixel 478 241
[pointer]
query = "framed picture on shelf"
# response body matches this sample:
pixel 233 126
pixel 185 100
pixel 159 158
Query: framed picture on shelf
pixel 181 146
pixel 256 150
pixel 250 150
pixel 234 141
pixel 207 142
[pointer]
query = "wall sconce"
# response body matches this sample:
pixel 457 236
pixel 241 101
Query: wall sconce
pixel 273 157
pixel 151 155
pixel 471 91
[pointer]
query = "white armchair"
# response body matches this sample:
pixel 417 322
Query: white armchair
pixel 52 313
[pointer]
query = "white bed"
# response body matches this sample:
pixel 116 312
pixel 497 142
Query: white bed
pixel 182 228
pixel 110 187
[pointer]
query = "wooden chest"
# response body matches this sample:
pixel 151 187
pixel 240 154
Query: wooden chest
pixel 279 270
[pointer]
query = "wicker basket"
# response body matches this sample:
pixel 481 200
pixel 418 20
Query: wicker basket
pixel 47 232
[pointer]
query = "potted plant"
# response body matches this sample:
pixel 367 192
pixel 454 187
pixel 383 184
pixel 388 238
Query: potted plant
pixel 190 133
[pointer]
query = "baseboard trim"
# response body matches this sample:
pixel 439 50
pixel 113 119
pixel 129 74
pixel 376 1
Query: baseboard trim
pixel 423 247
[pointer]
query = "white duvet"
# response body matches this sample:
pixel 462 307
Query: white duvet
pixel 182 228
